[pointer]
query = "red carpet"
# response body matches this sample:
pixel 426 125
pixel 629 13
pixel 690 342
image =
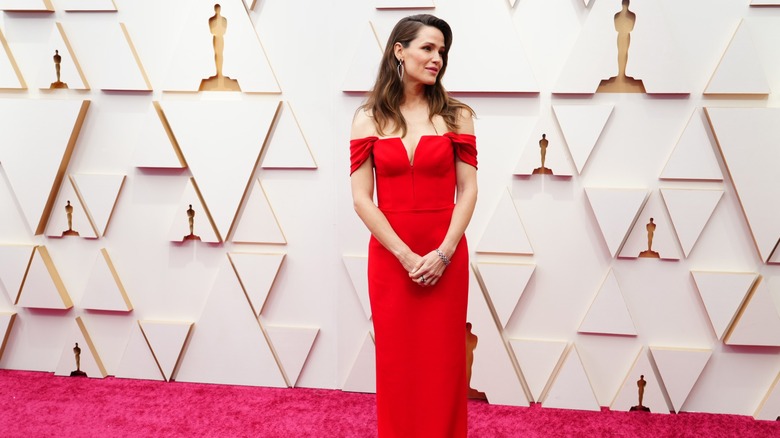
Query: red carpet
pixel 34 404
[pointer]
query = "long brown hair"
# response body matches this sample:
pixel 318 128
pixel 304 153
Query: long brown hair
pixel 384 100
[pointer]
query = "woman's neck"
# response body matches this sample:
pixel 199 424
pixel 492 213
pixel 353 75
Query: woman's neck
pixel 414 96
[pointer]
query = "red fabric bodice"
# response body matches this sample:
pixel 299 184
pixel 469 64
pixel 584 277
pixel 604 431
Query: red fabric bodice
pixel 427 182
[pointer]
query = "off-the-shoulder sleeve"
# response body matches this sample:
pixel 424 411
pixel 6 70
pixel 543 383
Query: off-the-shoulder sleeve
pixel 465 147
pixel 359 151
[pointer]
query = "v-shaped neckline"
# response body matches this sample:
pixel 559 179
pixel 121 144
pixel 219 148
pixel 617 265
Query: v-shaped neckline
pixel 410 155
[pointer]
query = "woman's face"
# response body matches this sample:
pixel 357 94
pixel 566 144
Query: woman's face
pixel 423 58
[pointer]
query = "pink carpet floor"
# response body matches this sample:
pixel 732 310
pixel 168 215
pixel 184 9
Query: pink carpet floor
pixel 34 404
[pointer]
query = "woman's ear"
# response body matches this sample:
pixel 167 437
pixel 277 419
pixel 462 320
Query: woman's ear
pixel 398 50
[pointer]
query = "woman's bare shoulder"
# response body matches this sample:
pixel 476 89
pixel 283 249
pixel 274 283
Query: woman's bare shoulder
pixel 465 121
pixel 363 124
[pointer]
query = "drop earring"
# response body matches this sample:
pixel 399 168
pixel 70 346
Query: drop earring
pixel 400 69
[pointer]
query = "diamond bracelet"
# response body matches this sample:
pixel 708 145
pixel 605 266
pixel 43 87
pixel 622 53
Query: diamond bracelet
pixel 443 257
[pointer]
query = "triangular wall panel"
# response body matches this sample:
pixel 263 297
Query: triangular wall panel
pixel 570 387
pixel 723 294
pixel 156 146
pixel 89 358
pixel 112 58
pixel 628 396
pixel 43 288
pixel 212 357
pixel 99 194
pixel 505 233
pixel 664 241
pixel 608 313
pixel 680 369
pixel 593 57
pixel 582 126
pixel 79 219
pixel 758 322
pixel 14 262
pixel 6 324
pixel 693 157
pixel 538 361
pixel 51 128
pixel 505 284
pixel 71 72
pixel 748 139
pixel 257 222
pixel 14 228
pixel 615 210
pixel 357 268
pixel 557 157
pixel 137 361
pixel 203 225
pixel 361 73
pixel 493 370
pixel 223 168
pixel 243 54
pixel 769 408
pixel 607 359
pixel 287 147
pixel 690 210
pixel 10 75
pixel 166 340
pixel 292 346
pixel 362 374
pixel 104 289
pixel 479 26
pixel 26 5
pixel 740 70
pixel 257 273
pixel 653 33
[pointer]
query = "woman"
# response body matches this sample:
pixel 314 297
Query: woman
pixel 417 144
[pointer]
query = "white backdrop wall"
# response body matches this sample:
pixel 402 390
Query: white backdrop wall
pixel 565 312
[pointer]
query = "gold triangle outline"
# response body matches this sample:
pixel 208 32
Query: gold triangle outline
pixel 206 209
pixel 241 282
pixel 73 56
pixel 84 205
pixel 303 136
pixel 53 273
pixel 497 321
pixel 7 334
pixel 91 346
pixel 245 196
pixel 66 156
pixel 178 356
pixel 135 55
pixel 12 60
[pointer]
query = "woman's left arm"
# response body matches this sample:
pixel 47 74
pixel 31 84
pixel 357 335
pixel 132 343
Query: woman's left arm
pixel 431 265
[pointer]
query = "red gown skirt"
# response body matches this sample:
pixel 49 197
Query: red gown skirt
pixel 420 332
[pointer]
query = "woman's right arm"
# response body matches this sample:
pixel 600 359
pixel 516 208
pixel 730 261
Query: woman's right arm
pixel 363 201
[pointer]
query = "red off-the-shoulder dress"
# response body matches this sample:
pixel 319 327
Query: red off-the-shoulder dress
pixel 419 331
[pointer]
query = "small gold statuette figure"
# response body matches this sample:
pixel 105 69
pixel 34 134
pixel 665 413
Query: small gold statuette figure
pixel 77 354
pixel 69 212
pixel 191 219
pixel 543 142
pixel 471 345
pixel 218 82
pixel 624 24
pixel 640 384
pixel 57 64
pixel 650 231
